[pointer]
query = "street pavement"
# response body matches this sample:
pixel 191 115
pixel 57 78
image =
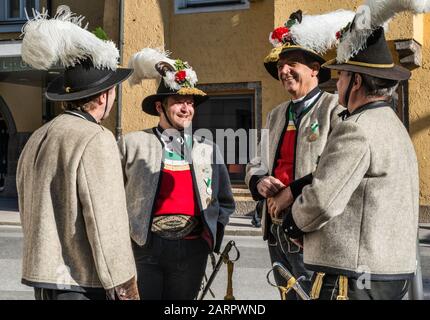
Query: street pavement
pixel 249 278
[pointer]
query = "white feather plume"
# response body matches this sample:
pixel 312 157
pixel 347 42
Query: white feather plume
pixel 63 40
pixel 318 32
pixel 143 63
pixel 373 14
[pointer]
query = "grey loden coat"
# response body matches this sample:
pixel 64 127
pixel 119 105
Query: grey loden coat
pixel 73 210
pixel 360 214
pixel 324 112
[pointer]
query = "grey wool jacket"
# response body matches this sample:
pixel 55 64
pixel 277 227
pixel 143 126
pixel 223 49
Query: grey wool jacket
pixel 73 210
pixel 142 155
pixel 360 214
pixel 324 112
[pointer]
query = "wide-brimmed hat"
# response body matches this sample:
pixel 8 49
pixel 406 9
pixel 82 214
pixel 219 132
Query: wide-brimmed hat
pixel 374 60
pixel 311 35
pixel 148 104
pixel 363 47
pixel 90 63
pixel 177 77
pixel 83 81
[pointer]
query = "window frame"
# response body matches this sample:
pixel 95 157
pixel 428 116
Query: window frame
pixel 13 24
pixel 181 6
pixel 235 90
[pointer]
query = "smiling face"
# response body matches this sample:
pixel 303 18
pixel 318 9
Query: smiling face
pixel 179 109
pixel 297 75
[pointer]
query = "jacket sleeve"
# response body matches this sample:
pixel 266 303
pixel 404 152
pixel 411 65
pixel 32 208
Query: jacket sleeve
pixel 257 167
pixel 226 201
pixel 102 198
pixel 343 164
pixel 123 156
pixel 225 194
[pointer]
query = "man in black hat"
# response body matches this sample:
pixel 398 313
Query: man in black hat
pixel 69 178
pixel 298 131
pixel 359 216
pixel 178 189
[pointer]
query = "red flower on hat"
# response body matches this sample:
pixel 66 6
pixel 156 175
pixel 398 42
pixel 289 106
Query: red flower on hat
pixel 338 35
pixel 180 76
pixel 280 33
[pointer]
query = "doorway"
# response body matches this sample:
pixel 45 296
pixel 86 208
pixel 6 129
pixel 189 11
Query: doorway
pixel 4 141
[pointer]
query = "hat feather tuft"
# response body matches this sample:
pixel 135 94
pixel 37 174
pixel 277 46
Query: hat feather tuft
pixel 62 40
pixel 318 32
pixel 145 64
pixel 373 14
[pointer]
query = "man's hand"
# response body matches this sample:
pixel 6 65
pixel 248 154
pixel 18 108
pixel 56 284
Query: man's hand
pixel 279 203
pixel 269 186
pixel 125 291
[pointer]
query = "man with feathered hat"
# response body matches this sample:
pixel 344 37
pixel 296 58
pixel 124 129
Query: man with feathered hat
pixel 359 216
pixel 298 128
pixel 70 186
pixel 178 189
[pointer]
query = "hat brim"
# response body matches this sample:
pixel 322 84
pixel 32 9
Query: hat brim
pixel 272 66
pixel 56 90
pixel 148 104
pixel 393 73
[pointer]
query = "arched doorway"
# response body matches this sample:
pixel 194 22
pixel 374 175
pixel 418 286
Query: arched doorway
pixel 7 130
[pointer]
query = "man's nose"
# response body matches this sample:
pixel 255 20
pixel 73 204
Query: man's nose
pixel 185 106
pixel 285 69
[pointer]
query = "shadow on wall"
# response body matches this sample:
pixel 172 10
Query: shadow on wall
pixel 419 125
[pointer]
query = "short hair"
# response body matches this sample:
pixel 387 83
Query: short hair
pixel 84 104
pixel 379 87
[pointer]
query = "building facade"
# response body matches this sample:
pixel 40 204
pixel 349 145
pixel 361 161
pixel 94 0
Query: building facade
pixel 225 42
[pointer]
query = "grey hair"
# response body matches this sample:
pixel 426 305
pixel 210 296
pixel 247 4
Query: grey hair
pixel 378 87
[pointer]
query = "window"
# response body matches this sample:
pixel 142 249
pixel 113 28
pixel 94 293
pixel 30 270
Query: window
pixel 13 13
pixel 231 116
pixel 195 6
pixel 229 112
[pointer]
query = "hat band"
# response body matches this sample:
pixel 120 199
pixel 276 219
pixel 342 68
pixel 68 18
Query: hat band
pixel 90 86
pixel 371 65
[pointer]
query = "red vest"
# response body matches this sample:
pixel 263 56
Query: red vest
pixel 176 194
pixel 284 167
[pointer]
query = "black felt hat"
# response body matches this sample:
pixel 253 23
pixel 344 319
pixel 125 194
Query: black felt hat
pixel 177 77
pixel 148 104
pixel 374 59
pixel 90 63
pixel 312 35
pixel 271 61
pixel 83 81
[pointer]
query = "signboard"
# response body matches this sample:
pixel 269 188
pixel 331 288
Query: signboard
pixel 11 64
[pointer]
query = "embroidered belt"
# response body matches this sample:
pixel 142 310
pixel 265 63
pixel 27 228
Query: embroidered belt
pixel 174 227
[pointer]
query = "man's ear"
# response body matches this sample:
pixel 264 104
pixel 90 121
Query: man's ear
pixel 101 99
pixel 316 67
pixel 358 81
pixel 159 107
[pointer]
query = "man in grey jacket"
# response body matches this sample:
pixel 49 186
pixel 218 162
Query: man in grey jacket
pixel 298 131
pixel 178 189
pixel 71 197
pixel 359 216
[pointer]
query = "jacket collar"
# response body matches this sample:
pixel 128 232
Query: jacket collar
pixel 371 105
pixel 81 114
